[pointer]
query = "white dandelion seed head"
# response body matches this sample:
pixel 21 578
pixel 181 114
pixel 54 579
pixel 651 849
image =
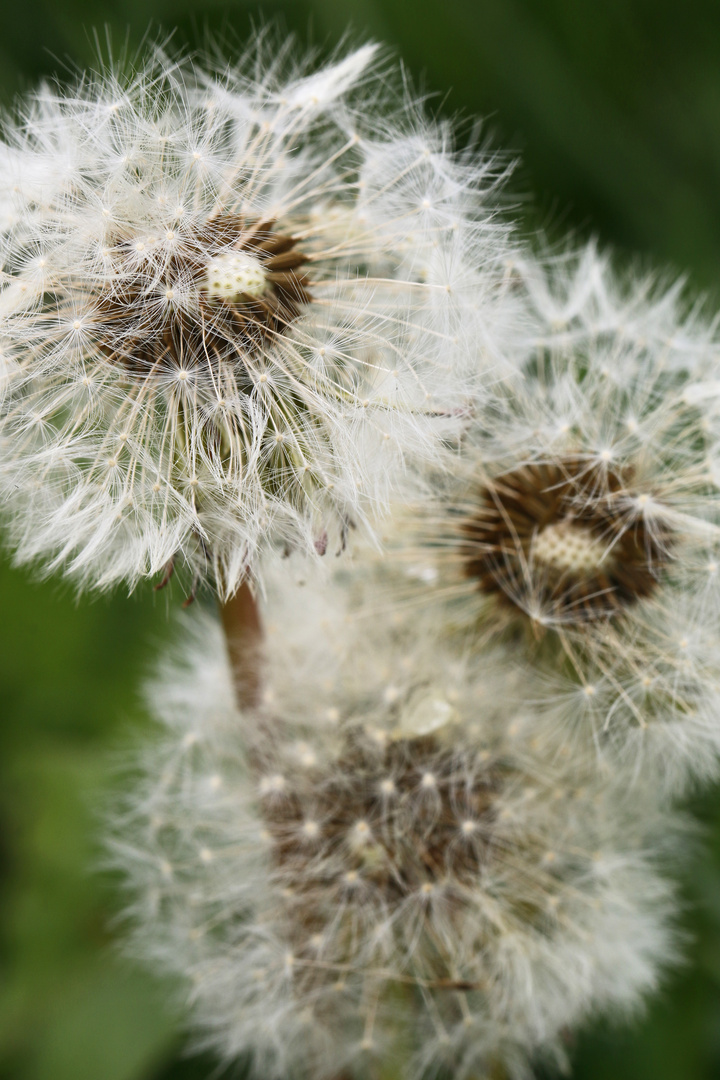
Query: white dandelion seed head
pixel 445 888
pixel 586 538
pixel 191 260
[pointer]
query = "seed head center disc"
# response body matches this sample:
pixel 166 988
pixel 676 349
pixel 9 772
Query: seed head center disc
pixel 249 282
pixel 233 275
pixel 566 547
pixel 559 541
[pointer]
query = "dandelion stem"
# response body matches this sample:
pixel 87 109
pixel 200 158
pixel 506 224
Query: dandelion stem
pixel 244 635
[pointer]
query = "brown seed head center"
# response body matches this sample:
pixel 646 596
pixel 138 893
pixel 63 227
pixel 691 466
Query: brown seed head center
pixel 562 541
pixel 383 827
pixel 223 293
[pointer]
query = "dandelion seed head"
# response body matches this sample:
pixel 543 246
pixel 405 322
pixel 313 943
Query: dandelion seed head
pixel 440 915
pixel 263 252
pixel 586 540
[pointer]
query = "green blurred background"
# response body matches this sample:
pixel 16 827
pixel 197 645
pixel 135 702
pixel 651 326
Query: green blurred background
pixel 615 109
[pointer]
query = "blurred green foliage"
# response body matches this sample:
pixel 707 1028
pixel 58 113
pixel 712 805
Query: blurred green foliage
pixel 615 108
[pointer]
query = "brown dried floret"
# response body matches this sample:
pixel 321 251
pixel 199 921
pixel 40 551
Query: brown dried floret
pixel 218 329
pixel 563 539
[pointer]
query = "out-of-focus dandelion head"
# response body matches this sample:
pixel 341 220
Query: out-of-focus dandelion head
pixel 376 865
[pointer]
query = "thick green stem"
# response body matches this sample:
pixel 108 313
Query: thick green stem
pixel 244 635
